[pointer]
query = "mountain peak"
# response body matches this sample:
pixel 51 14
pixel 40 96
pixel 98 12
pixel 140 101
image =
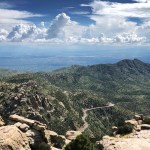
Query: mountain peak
pixel 129 62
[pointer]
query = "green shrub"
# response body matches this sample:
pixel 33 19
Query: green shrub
pixel 82 142
pixel 146 120
pixel 125 129
pixel 58 142
pixel 44 146
pixel 99 147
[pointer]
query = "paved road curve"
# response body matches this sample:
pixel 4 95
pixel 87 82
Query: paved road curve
pixel 85 114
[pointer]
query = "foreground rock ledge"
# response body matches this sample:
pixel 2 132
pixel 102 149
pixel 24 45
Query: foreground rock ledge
pixel 11 138
pixel 137 141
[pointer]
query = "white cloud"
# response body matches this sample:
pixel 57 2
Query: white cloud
pixel 3 35
pixel 129 38
pixel 63 30
pixel 26 33
pixel 56 28
pixel 141 9
pixel 141 1
pixel 111 25
pixel 10 17
pixel 112 19
pixel 60 29
pixel 80 12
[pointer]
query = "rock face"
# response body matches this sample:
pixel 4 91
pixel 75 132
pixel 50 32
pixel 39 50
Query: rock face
pixel 11 138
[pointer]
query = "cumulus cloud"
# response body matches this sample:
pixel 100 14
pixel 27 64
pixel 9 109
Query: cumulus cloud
pixel 113 19
pixel 112 25
pixel 56 28
pixel 63 29
pixel 3 35
pixel 26 33
pixel 129 38
pixel 60 28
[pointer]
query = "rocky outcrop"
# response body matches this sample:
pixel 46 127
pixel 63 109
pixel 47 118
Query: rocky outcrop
pixel 24 133
pixel 19 98
pixel 11 138
pixel 35 131
pixel 71 135
pixel 139 139
pixel 32 123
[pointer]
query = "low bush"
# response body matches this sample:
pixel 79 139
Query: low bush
pixel 82 142
pixel 58 142
pixel 44 146
pixel 99 147
pixel 146 120
pixel 125 129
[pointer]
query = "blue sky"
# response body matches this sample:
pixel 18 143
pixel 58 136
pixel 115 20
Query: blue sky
pixel 90 22
pixel 63 33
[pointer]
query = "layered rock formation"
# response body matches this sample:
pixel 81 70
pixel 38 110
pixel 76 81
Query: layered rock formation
pixel 27 134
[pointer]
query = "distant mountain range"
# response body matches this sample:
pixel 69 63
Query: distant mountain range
pixel 59 97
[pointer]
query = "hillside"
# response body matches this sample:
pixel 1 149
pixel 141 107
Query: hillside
pixel 59 98
pixel 7 73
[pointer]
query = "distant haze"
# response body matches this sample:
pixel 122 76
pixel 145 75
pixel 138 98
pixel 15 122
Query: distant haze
pixel 47 58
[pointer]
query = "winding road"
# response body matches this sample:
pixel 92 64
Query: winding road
pixel 85 114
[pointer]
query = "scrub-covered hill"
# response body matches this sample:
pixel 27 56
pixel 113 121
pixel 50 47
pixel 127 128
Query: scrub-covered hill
pixel 60 98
